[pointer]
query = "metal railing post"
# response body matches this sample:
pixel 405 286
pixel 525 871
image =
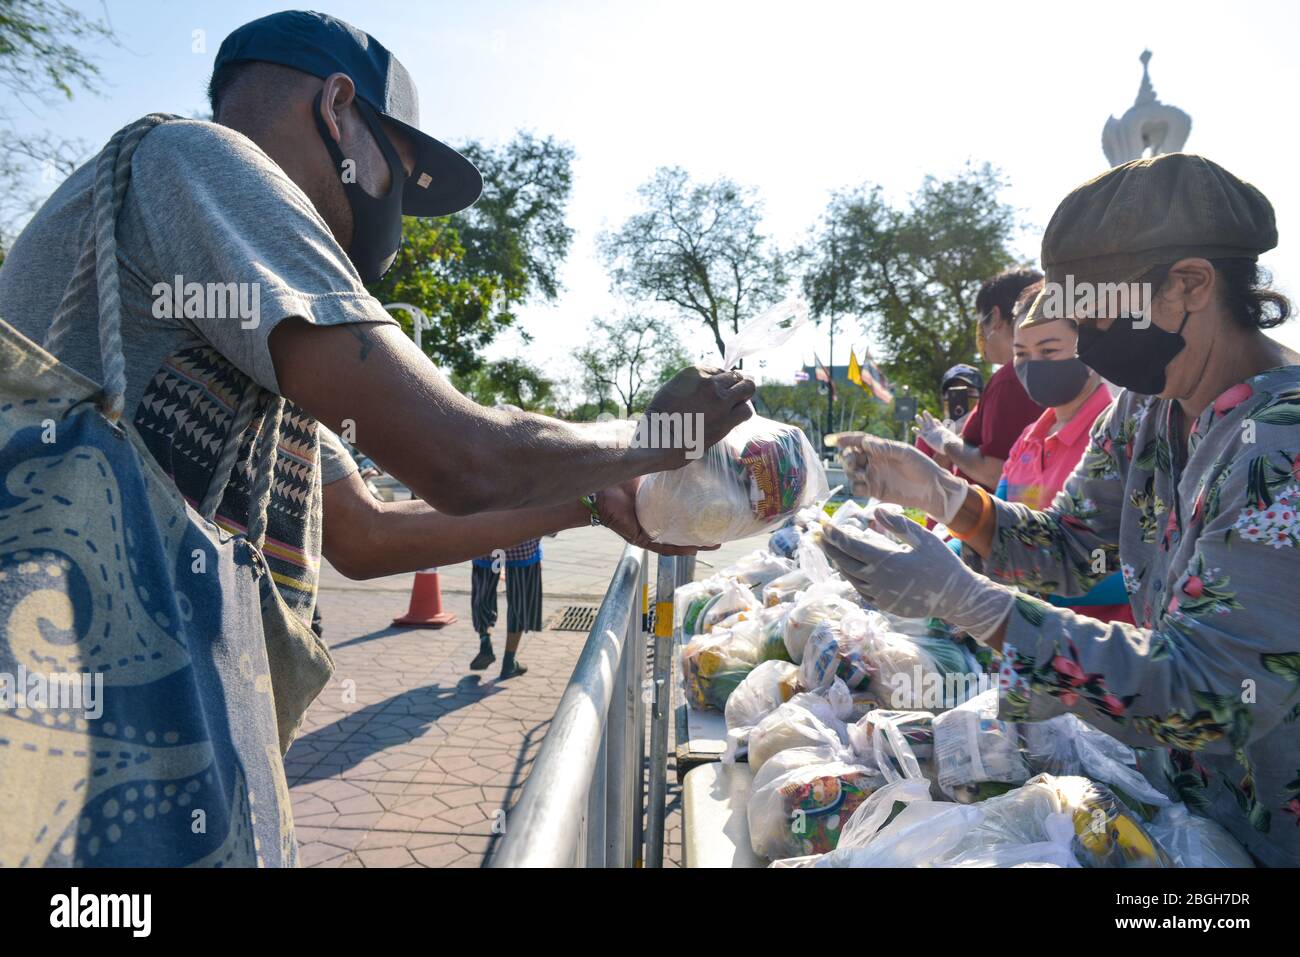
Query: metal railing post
pixel 582 763
pixel 665 582
pixel 638 689
pixel 594 852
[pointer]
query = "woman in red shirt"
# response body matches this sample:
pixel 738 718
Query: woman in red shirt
pixel 1048 450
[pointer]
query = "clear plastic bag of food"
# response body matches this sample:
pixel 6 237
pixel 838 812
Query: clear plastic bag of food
pixel 902 743
pixel 806 720
pixel 731 600
pixel 1191 840
pixel 1107 833
pixel 1067 745
pixel 757 569
pixel 818 604
pixel 973 749
pixel 902 827
pixel 714 665
pixel 771 623
pixel 761 692
pixel 785 540
pixel 831 653
pixel 748 483
pixel 786 587
pixel 913 673
pixel 801 811
pixel 690 600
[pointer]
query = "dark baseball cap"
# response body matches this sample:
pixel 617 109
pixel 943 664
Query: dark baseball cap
pixel 963 373
pixel 443 181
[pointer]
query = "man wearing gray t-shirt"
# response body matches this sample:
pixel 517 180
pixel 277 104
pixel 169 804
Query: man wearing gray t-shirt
pixel 244 247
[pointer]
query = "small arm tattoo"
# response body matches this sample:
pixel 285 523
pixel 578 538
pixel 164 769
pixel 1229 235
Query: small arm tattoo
pixel 359 333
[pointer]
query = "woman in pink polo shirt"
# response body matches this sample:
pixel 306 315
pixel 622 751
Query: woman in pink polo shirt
pixel 1049 448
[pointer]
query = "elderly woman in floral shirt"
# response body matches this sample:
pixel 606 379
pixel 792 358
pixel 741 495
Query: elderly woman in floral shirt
pixel 1190 485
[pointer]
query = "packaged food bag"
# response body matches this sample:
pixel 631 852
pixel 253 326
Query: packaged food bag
pixel 1194 841
pixel 1067 746
pixel 816 605
pixel 732 599
pixel 784 540
pixel 801 812
pixel 806 720
pixel 1106 832
pixel 972 749
pixel 771 624
pixel 714 665
pixel 902 827
pixel 689 601
pixel 757 569
pixel 831 653
pixel 902 743
pixel 913 673
pixel 786 587
pixel 760 693
pixel 748 483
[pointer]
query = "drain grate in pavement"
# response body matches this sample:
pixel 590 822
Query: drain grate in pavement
pixel 573 618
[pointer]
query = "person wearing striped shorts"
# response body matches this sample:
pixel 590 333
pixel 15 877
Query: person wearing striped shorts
pixel 523 568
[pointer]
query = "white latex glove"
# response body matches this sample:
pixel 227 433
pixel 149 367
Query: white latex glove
pixel 937 435
pixel 901 474
pixel 919 579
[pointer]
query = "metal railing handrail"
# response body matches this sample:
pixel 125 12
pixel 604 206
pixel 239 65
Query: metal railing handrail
pixel 546 827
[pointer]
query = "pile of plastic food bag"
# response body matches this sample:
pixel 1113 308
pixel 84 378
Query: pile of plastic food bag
pixel 753 480
pixel 875 741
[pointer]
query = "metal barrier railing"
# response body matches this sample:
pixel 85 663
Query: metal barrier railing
pixel 585 799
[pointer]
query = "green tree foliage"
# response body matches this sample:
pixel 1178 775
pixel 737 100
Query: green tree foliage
pixel 911 273
pixel 43 58
pixel 472 271
pixel 698 247
pixel 629 358
pixel 508 381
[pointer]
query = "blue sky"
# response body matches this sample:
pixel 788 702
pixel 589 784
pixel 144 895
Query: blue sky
pixel 794 99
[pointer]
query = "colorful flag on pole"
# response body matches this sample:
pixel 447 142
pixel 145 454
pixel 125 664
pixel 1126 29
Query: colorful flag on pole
pixel 871 377
pixel 801 376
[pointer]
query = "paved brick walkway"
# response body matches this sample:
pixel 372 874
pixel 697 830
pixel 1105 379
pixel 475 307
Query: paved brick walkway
pixel 408 759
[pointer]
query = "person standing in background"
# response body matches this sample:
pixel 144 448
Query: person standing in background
pixel 523 568
pixel 1004 408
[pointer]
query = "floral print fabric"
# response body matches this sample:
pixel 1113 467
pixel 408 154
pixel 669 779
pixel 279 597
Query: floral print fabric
pixel 1207 537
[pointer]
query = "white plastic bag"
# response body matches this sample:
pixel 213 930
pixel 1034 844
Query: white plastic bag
pixel 784 589
pixel 1067 745
pixel 689 602
pixel 732 599
pixel 758 568
pixel 1194 841
pixel 761 692
pixel 902 743
pixel 819 603
pixel 772 328
pixel 714 665
pixel 972 747
pixel 806 720
pixel 750 482
pixel 831 653
pixel 801 812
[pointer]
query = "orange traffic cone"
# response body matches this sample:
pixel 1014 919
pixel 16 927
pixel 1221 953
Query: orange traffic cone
pixel 426 603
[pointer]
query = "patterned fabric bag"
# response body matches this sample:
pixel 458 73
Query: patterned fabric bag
pixel 151 676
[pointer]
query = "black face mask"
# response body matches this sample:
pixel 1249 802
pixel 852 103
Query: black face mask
pixel 1052 382
pixel 376 221
pixel 1133 358
pixel 959 402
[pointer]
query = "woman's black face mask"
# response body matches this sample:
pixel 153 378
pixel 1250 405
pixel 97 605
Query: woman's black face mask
pixel 376 220
pixel 1130 356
